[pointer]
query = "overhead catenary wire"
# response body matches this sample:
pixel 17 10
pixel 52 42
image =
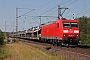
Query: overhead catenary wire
pixel 83 12
pixel 71 3
pixel 26 13
pixel 34 9
pixel 38 8
pixel 55 7
pixel 79 12
pixel 44 4
pixel 79 9
pixel 76 8
pixel 65 6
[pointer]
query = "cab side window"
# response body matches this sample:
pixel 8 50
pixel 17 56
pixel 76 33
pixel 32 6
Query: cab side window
pixel 58 25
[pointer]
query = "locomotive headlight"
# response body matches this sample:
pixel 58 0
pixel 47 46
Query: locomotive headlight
pixel 76 35
pixel 76 31
pixel 64 35
pixel 65 31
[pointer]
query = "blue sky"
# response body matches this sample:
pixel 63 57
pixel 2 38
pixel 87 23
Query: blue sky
pixel 42 8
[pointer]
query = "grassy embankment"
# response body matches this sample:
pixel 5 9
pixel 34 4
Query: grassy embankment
pixel 16 51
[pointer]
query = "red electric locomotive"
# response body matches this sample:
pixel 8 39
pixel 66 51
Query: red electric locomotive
pixel 61 32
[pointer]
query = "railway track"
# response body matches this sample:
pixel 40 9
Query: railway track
pixel 79 53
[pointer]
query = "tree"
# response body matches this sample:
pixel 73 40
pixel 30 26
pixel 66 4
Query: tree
pixel 84 29
pixel 88 40
pixel 2 37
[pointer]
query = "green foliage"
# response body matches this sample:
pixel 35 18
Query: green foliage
pixel 84 29
pixel 2 54
pixel 5 51
pixel 88 40
pixel 2 37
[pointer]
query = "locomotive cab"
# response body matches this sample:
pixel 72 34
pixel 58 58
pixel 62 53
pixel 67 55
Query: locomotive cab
pixel 71 32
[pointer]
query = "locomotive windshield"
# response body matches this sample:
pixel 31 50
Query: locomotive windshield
pixel 74 25
pixel 68 25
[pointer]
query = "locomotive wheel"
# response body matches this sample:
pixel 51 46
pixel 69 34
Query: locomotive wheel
pixel 40 40
pixel 61 44
pixel 45 40
pixel 48 41
pixel 53 42
pixel 57 44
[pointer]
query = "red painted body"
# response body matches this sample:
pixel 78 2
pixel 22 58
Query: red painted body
pixel 58 29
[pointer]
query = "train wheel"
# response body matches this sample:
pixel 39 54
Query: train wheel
pixel 57 44
pixel 61 44
pixel 53 42
pixel 40 40
pixel 45 40
pixel 48 41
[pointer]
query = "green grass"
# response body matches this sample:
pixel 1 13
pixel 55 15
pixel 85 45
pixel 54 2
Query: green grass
pixel 26 52
pixel 4 52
